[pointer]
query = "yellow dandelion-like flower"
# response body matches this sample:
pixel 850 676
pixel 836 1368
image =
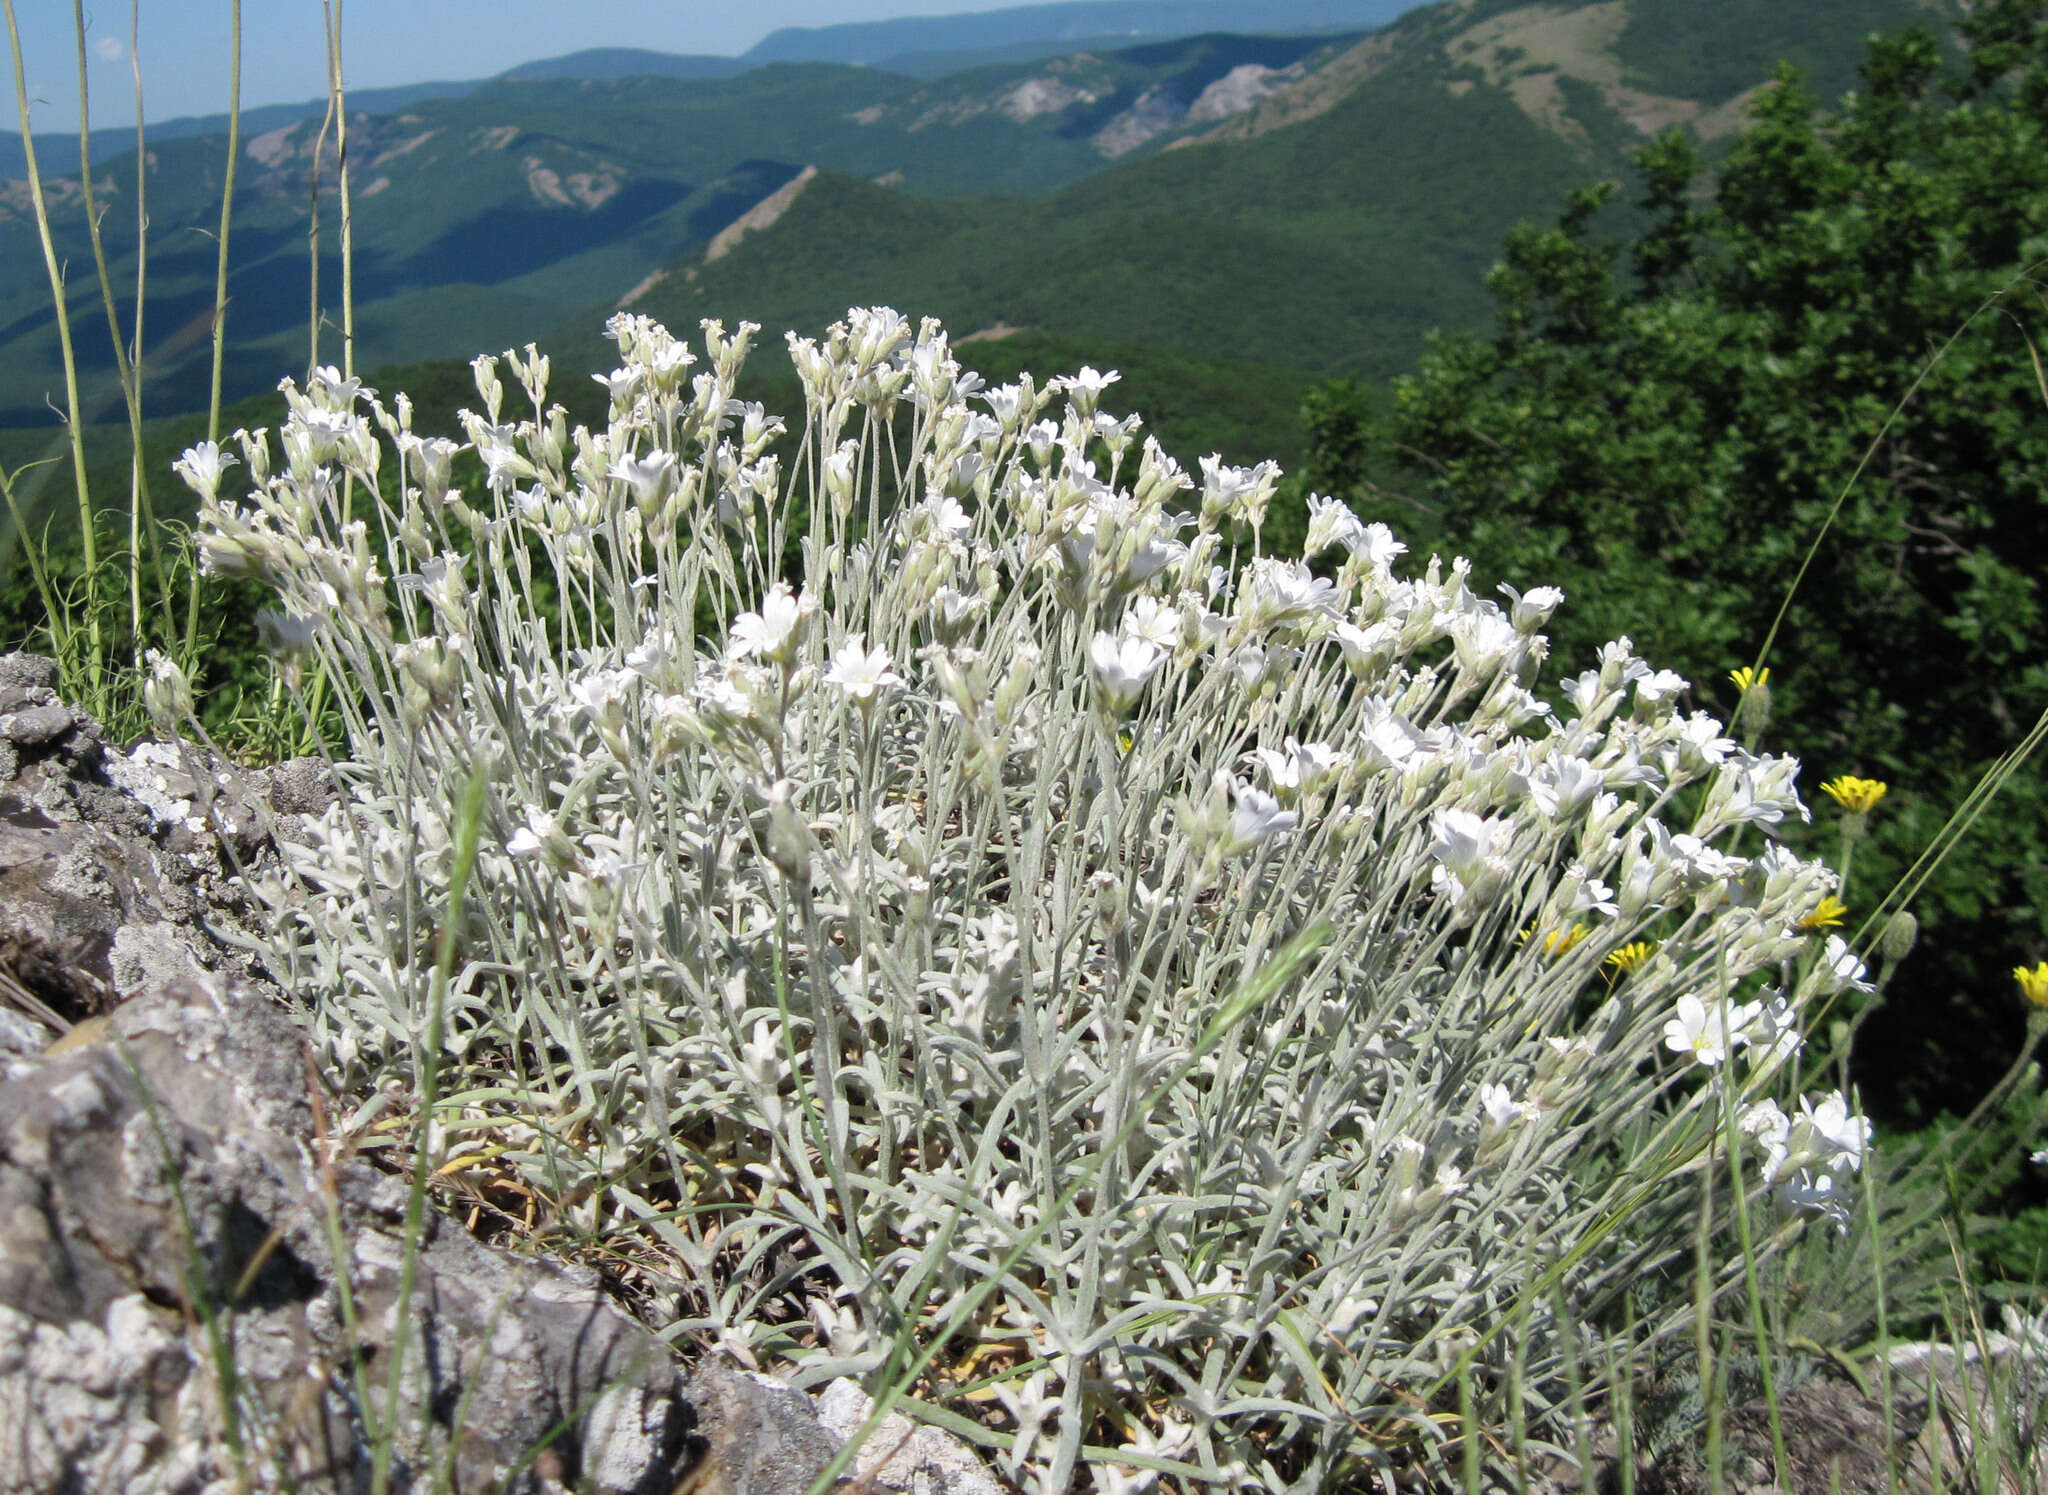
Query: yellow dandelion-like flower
pixel 1857 796
pixel 1558 941
pixel 1749 677
pixel 1827 914
pixel 2033 983
pixel 1628 957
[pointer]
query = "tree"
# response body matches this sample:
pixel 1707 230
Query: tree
pixel 1662 426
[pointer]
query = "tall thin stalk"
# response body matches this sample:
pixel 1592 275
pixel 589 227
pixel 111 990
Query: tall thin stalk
pixel 141 516
pixel 220 273
pixel 338 105
pixel 72 424
pixel 124 368
pixel 227 218
pixel 313 233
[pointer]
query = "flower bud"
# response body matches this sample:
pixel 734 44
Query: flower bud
pixel 1900 933
pixel 167 694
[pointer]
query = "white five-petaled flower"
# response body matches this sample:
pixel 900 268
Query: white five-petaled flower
pixel 1662 685
pixel 1498 1110
pixel 1331 522
pixel 1482 640
pixel 774 631
pixel 1464 840
pixel 1379 548
pixel 1256 816
pixel 859 671
pixel 1299 767
pixel 1530 610
pixel 644 475
pixel 1287 594
pixel 542 836
pixel 1122 666
pixel 1839 969
pixel 1157 623
pixel 1088 385
pixel 1827 1135
pixel 201 468
pixel 1707 1033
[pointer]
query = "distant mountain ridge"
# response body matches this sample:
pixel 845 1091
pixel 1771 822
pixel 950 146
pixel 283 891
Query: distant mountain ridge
pixel 1071 22
pixel 919 46
pixel 1312 203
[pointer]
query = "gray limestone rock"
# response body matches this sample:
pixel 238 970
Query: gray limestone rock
pixel 171 1309
pixel 173 1315
pixel 117 866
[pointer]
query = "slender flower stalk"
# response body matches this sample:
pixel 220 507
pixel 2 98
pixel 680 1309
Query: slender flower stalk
pixel 88 533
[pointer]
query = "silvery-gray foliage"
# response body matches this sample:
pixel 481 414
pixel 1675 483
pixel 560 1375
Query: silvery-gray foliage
pixel 826 960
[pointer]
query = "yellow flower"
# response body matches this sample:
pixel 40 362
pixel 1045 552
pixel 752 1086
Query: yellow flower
pixel 1857 796
pixel 1629 956
pixel 1558 941
pixel 2034 983
pixel 1827 914
pixel 1747 677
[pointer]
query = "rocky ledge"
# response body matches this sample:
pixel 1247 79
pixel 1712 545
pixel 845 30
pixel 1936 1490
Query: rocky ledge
pixel 197 1291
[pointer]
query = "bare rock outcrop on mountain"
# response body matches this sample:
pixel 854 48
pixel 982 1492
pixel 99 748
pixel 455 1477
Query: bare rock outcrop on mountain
pixel 200 1287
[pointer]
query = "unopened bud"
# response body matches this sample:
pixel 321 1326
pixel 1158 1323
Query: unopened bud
pixel 1900 933
pixel 1754 711
pixel 167 694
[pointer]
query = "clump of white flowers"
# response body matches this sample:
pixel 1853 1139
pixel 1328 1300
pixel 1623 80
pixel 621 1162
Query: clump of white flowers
pixel 880 821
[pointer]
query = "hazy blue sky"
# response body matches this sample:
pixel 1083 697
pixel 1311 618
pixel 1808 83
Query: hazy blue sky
pixel 184 44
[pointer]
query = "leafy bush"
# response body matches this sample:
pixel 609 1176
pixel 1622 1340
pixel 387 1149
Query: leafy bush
pixel 1204 1012
pixel 1833 332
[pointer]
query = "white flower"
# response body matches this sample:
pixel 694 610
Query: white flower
pixel 860 672
pixel 644 475
pixel 1653 689
pixel 1827 1135
pixel 1765 1124
pixel 1561 786
pixel 1530 610
pixel 1839 969
pixel 1256 817
pixel 1331 522
pixel 1299 767
pixel 1707 1034
pixel 1773 1034
pixel 1822 1196
pixel 542 836
pixel 1379 547
pixel 1483 640
pixel 1701 734
pixel 1239 493
pixel 775 630
pixel 1287 594
pixel 1157 623
pixel 1085 388
pixel 1122 667
pixel 1498 1111
pixel 947 519
pixel 201 468
pixel 1465 841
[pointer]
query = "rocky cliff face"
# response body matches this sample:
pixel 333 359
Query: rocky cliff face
pixel 201 1288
